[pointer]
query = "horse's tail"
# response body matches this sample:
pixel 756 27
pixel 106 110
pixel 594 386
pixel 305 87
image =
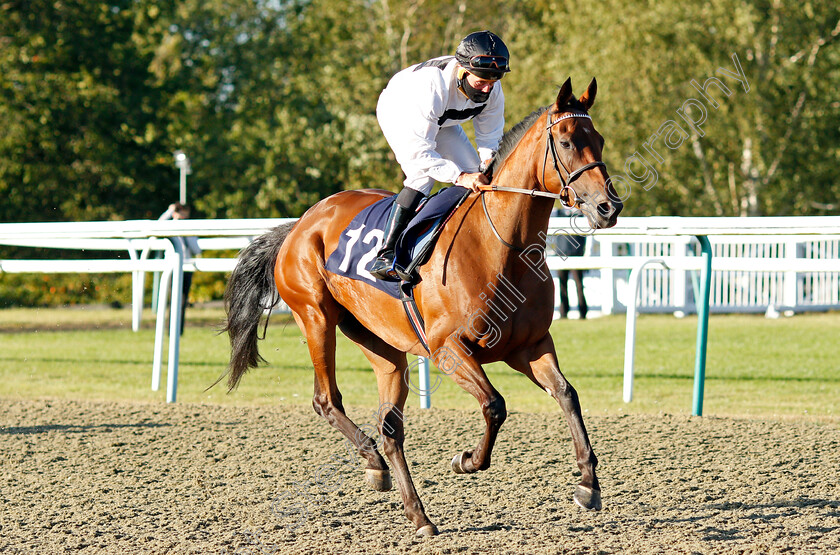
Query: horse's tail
pixel 251 291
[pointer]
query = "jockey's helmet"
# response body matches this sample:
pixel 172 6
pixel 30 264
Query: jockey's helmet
pixel 484 55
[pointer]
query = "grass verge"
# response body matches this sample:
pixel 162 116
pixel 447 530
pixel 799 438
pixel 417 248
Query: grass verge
pixel 756 367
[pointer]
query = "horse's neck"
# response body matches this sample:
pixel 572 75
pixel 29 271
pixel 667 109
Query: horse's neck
pixel 519 216
pixel 520 219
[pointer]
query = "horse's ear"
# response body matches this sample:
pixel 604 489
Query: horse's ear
pixel 564 96
pixel 588 98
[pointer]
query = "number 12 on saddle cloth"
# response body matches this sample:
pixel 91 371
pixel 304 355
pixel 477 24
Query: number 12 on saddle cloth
pixel 361 240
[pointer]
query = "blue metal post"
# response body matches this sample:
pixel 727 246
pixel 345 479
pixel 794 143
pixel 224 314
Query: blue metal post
pixel 702 324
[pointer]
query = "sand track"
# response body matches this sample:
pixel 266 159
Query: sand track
pixel 133 478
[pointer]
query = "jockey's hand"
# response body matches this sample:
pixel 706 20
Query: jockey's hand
pixel 472 180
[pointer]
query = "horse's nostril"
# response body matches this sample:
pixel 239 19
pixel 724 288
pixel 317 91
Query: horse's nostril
pixel 605 209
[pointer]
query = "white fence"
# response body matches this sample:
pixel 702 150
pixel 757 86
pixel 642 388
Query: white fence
pixel 787 263
pixel 138 238
pixel 783 287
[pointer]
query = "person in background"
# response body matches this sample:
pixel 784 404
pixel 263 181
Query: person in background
pixel 178 211
pixel 421 112
pixel 566 245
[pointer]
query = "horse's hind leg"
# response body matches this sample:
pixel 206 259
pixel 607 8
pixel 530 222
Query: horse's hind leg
pixel 563 281
pixel 539 363
pixel 318 325
pixel 389 364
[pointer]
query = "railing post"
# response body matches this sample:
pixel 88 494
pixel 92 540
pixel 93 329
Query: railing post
pixel 702 324
pixel 160 320
pixel 175 319
pixel 136 292
pixel 630 326
pixel 789 291
pixel 679 278
pixel 608 293
pixel 425 394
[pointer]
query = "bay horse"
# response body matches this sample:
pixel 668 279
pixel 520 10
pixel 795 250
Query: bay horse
pixel 483 294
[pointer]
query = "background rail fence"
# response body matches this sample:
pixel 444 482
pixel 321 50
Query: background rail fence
pixel 733 291
pixel 786 263
pixel 818 289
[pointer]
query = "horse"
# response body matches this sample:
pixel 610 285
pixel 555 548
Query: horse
pixel 488 269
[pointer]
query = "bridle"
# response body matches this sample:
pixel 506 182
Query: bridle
pixel 567 195
pixel 570 176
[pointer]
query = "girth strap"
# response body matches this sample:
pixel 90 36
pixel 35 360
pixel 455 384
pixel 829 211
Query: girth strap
pixel 413 313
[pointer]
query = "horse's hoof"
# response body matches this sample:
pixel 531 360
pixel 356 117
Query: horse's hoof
pixel 588 498
pixel 458 463
pixel 380 480
pixel 426 531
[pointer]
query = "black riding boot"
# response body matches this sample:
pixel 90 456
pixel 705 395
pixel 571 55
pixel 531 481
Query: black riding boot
pixel 401 213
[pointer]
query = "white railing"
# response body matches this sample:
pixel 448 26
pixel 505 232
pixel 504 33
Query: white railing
pixel 704 229
pixel 784 284
pixel 803 275
pixel 137 238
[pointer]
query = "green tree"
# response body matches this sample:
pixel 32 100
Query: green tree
pixel 770 150
pixel 81 121
pixel 275 101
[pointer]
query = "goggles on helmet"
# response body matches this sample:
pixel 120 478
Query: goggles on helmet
pixel 483 61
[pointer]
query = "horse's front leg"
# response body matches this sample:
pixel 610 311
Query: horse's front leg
pixel 468 374
pixel 539 362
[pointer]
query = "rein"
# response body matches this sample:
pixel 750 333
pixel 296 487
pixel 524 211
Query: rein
pixel 493 227
pixel 569 200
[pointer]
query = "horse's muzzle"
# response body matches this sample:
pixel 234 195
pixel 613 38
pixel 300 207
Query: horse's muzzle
pixel 602 215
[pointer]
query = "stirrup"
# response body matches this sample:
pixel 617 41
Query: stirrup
pixel 383 267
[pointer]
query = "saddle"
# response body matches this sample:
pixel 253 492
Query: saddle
pixel 417 242
pixel 360 241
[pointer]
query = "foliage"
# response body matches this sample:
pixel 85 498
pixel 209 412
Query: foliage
pixel 57 290
pixel 42 290
pixel 81 120
pixel 766 151
pixel 274 101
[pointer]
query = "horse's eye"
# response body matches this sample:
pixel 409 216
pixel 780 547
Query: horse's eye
pixel 566 144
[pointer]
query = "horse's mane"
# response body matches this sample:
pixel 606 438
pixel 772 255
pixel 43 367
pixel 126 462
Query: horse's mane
pixel 511 138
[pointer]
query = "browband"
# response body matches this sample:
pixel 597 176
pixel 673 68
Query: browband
pixel 568 116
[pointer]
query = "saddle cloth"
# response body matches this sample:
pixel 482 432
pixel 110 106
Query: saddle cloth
pixel 361 240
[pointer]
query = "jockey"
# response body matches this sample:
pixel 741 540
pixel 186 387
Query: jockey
pixel 421 112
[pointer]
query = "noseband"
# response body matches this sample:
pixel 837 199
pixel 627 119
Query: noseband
pixel 567 195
